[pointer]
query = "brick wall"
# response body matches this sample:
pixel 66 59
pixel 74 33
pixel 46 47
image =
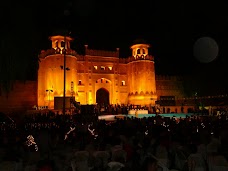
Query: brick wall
pixel 23 96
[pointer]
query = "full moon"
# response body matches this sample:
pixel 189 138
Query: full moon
pixel 206 50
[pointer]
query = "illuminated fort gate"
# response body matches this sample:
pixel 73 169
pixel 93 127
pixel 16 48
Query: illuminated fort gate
pixel 99 76
pixel 103 91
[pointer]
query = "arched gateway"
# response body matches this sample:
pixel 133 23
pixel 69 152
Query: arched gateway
pixel 102 96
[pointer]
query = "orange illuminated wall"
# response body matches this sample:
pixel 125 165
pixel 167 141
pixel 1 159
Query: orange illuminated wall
pixel 127 80
pixel 22 97
pixel 141 76
pixel 50 74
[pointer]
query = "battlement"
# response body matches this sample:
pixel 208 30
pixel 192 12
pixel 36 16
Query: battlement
pixel 93 52
pixel 168 78
pixel 45 53
pixel 132 58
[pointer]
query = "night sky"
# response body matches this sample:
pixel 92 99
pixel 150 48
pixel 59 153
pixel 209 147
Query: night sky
pixel 170 27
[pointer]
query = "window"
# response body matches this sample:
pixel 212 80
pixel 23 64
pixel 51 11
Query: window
pixel 62 44
pixel 138 51
pixel 80 82
pixel 95 67
pixel 72 84
pixel 123 83
pixel 143 50
pixel 110 68
pixel 56 44
pixel 102 80
pixel 102 68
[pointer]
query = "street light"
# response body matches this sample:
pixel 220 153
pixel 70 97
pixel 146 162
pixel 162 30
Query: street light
pixel 49 91
pixel 64 68
pixel 66 15
pixel 64 75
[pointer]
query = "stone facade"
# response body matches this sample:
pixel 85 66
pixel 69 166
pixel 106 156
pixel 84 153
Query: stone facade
pixel 129 80
pixel 22 96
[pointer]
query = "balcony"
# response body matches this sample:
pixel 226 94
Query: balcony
pixel 45 53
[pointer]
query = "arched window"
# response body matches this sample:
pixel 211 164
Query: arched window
pixel 62 44
pixel 138 51
pixel 56 44
pixel 143 50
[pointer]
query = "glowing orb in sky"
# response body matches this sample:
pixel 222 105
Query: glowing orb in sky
pixel 205 50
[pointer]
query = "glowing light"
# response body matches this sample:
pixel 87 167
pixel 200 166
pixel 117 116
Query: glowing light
pixel 164 124
pixel 66 135
pixel 202 125
pixel 146 132
pixel 31 141
pixel 92 131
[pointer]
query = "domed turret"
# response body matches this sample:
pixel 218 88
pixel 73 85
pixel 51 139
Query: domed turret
pixel 50 73
pixel 141 75
pixel 58 42
pixel 140 49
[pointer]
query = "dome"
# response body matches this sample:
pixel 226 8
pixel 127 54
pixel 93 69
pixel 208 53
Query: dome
pixel 139 41
pixel 61 32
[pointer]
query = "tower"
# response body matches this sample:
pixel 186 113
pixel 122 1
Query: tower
pixel 50 73
pixel 141 76
pixel 58 42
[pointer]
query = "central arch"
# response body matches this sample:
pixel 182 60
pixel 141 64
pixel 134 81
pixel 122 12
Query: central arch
pixel 102 96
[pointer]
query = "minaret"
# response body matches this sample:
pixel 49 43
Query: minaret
pixel 141 76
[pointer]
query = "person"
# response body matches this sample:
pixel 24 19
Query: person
pixel 149 164
pixel 136 113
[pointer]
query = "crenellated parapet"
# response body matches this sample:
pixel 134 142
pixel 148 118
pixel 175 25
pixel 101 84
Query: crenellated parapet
pixel 80 58
pixel 142 93
pixel 141 76
pixel 93 52
pixel 142 57
pixel 137 58
pixel 45 53
pixel 168 78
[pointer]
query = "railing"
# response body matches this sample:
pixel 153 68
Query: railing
pixel 48 52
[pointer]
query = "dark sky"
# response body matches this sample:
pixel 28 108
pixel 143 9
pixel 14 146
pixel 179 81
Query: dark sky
pixel 170 27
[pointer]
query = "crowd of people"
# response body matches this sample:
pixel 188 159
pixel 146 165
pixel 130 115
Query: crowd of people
pixel 61 143
pixel 157 109
pixel 123 109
